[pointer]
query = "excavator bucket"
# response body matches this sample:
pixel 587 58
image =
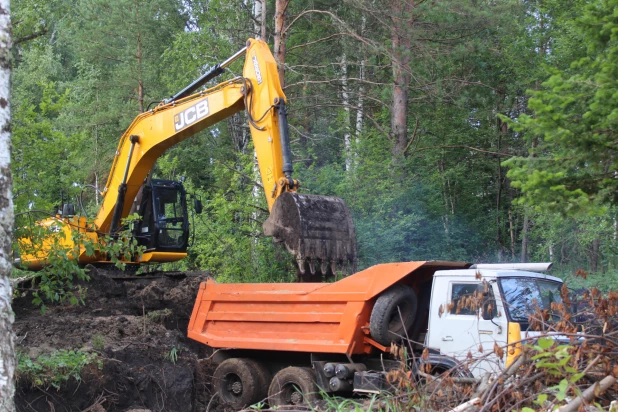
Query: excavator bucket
pixel 317 230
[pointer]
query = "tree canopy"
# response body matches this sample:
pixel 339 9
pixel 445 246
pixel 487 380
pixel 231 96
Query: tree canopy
pixel 452 129
pixel 573 126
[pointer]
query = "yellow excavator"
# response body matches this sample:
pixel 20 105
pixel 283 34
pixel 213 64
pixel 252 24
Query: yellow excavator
pixel 317 230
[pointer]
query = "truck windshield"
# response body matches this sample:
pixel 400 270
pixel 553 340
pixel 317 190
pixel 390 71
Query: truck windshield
pixel 524 295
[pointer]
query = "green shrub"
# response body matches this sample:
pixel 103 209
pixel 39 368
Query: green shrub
pixel 97 342
pixel 158 316
pixel 54 369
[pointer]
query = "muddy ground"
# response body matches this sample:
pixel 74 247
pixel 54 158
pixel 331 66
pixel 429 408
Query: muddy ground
pixel 136 326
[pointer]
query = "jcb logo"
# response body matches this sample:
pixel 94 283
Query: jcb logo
pixel 191 115
pixel 256 67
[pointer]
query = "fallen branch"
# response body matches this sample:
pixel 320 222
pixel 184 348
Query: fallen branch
pixel 433 378
pixel 589 394
pixel 466 405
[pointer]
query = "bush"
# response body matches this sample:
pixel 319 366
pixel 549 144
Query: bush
pixel 54 369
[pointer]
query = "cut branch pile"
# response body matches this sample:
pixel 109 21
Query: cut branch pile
pixel 571 366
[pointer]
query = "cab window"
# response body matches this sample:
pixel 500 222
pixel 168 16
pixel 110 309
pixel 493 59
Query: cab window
pixel 462 299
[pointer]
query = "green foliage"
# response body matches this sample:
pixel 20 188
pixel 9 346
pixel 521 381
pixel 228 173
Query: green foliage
pixel 42 153
pixel 555 359
pixel 122 247
pixel 93 65
pixel 571 166
pixel 54 369
pixel 570 244
pixel 258 406
pixel 158 316
pixel 172 355
pixel 56 281
pixel 97 342
pixel 229 240
pixel 337 403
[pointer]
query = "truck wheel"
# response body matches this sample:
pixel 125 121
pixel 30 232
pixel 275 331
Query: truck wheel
pixel 264 378
pixel 386 324
pixel 293 386
pixel 237 382
pixel 422 312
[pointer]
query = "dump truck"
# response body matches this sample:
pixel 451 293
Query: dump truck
pixel 287 342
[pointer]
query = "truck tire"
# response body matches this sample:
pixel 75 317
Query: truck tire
pixel 422 312
pixel 237 382
pixel 293 386
pixel 264 378
pixel 386 324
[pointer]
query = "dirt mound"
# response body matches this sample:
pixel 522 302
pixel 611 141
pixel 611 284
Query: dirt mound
pixel 137 325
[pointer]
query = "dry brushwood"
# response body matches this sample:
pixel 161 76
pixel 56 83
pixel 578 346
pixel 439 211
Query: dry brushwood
pixel 573 363
pixel 589 394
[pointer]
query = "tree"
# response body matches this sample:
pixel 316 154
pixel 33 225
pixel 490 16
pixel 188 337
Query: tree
pixel 573 166
pixel 7 349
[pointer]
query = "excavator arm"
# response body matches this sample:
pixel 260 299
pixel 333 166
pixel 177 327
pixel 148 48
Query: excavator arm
pixel 317 230
pixel 155 131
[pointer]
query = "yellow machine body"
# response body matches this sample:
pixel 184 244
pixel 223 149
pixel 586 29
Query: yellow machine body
pixel 151 133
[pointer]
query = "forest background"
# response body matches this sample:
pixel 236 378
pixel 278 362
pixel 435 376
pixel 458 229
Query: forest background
pixel 482 131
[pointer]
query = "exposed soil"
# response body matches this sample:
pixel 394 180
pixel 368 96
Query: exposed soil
pixel 138 326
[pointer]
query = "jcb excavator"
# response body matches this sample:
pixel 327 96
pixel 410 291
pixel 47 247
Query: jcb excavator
pixel 317 230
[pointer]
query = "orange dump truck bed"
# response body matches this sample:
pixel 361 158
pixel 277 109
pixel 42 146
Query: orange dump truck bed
pixel 300 317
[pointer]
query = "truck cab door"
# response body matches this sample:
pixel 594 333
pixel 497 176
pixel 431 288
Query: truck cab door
pixel 457 328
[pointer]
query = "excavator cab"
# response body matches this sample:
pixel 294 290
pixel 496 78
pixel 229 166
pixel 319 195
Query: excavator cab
pixel 164 224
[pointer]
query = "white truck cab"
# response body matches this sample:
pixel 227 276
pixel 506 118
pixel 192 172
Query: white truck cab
pixel 462 331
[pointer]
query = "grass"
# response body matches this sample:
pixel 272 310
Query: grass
pixel 54 369
pixel 158 316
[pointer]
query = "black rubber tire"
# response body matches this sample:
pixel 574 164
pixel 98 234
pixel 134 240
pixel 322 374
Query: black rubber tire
pixel 264 378
pixel 385 323
pixel 232 372
pixel 422 312
pixel 293 386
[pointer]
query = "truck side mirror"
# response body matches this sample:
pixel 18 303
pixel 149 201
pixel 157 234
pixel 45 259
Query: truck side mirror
pixel 197 205
pixel 489 308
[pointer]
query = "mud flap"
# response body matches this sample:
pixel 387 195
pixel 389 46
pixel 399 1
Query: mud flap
pixel 317 230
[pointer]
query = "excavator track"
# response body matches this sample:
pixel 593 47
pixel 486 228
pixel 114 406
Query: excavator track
pixel 317 230
pixel 129 274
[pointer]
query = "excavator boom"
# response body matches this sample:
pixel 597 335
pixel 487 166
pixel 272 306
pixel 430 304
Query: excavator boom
pixel 317 230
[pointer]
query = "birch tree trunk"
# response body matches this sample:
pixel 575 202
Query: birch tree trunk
pixel 361 93
pixel 347 120
pixel 361 101
pixel 259 16
pixel 7 349
pixel 263 21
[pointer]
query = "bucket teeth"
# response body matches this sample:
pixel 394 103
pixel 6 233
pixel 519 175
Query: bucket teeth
pixel 317 230
pixel 312 266
pixel 324 267
pixel 301 265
